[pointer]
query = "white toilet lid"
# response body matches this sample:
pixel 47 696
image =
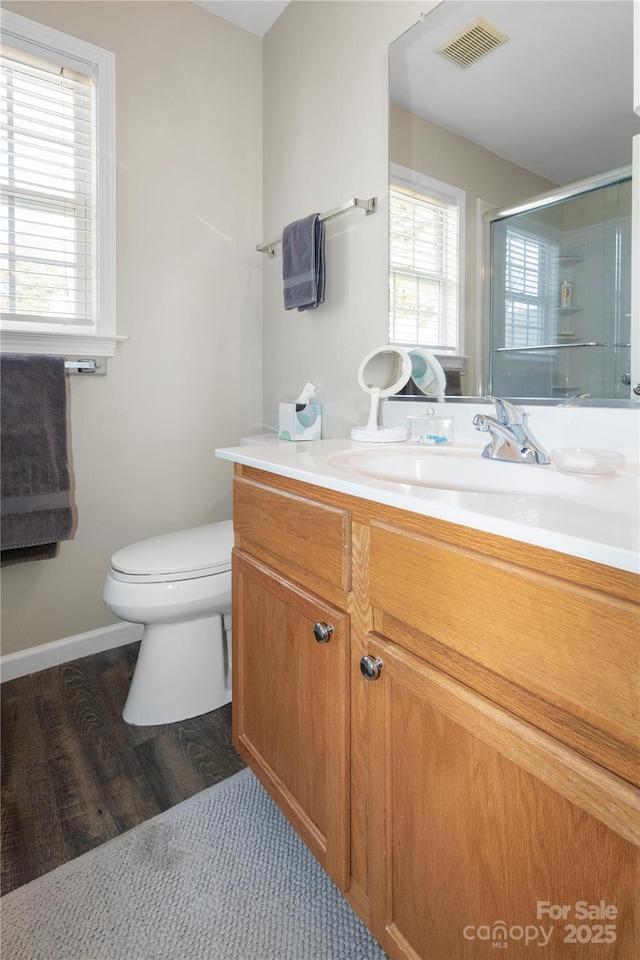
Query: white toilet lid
pixel 196 552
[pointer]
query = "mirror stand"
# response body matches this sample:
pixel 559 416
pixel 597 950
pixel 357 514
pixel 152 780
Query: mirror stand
pixel 382 373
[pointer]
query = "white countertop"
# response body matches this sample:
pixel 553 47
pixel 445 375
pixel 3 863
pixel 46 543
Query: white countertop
pixel 598 521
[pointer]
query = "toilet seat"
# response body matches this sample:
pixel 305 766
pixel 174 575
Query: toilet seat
pixel 184 555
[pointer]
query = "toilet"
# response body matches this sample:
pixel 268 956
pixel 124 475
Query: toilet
pixel 179 587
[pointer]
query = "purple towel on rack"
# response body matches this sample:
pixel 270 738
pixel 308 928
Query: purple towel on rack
pixel 303 263
pixel 35 498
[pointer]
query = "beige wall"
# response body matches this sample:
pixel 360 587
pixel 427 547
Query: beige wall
pixel 189 292
pixel 189 169
pixel 326 130
pixel 423 146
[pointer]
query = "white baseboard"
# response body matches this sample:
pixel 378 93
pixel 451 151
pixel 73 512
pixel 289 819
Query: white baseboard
pixel 19 664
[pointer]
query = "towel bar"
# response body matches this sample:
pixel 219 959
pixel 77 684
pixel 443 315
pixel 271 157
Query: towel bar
pixel 553 346
pixel 86 366
pixel 369 206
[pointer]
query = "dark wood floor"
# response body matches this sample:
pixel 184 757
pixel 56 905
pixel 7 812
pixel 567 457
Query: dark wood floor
pixel 75 775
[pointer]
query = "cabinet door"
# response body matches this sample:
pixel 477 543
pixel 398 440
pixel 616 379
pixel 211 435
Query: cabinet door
pixel 291 705
pixel 488 835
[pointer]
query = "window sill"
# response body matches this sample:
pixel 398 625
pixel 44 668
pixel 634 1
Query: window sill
pixel 58 344
pixel 450 361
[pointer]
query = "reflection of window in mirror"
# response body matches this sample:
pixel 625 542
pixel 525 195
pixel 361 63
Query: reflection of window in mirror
pixel 426 274
pixel 530 289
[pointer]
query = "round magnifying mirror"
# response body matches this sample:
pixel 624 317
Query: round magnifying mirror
pixel 427 373
pixel 382 373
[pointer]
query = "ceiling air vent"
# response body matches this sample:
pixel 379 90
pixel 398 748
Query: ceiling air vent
pixel 472 43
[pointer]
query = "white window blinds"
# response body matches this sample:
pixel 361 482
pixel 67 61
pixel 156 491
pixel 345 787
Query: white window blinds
pixel 48 216
pixel 529 281
pixel 424 294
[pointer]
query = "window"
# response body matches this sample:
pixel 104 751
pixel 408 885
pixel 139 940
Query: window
pixel 57 236
pixel 425 275
pixel 530 279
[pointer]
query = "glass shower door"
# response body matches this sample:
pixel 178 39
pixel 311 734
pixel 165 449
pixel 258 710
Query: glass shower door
pixel 561 297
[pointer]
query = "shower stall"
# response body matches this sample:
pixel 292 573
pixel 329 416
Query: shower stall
pixel 560 293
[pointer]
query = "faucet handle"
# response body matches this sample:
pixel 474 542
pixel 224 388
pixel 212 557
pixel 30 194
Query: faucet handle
pixel 510 437
pixel 508 414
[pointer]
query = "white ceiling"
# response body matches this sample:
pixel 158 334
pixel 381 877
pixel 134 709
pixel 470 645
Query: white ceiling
pixel 556 99
pixel 256 16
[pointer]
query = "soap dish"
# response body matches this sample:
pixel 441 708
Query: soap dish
pixel 589 461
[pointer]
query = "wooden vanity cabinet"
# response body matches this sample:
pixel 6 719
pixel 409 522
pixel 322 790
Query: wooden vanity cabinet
pixel 485 780
pixel 505 716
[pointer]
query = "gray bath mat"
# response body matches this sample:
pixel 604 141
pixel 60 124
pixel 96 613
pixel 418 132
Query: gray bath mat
pixel 221 876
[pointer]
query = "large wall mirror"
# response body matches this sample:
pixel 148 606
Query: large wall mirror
pixel 510 146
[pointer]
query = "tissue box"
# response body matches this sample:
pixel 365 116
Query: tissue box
pixel 300 421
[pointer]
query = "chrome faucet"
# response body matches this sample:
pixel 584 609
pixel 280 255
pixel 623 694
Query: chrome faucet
pixel 510 436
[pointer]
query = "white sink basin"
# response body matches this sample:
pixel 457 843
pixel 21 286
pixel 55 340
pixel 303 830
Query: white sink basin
pixel 455 468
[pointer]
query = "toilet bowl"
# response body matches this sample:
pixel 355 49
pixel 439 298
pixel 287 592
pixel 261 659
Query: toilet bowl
pixel 179 587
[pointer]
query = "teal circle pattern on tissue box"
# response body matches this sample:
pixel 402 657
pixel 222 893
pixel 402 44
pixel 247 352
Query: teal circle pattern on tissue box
pixel 307 417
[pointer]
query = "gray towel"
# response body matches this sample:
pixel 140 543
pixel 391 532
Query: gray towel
pixel 34 471
pixel 303 263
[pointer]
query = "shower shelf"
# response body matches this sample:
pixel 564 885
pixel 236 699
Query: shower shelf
pixel 568 261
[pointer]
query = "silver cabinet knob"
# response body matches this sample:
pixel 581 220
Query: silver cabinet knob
pixel 322 632
pixel 370 668
pixel 636 389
